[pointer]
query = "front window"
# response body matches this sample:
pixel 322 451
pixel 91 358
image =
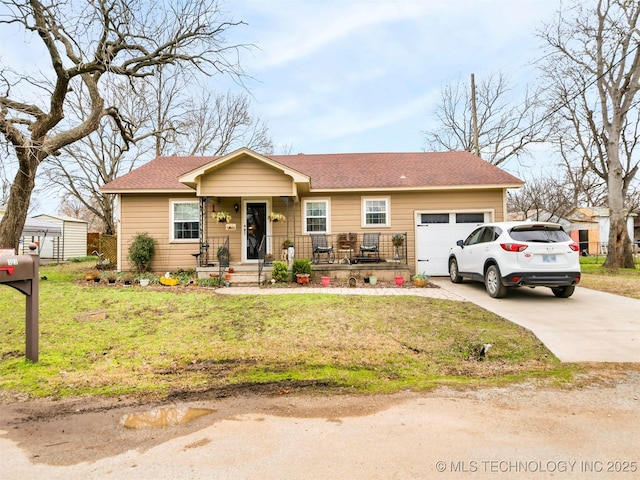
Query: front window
pixel 375 212
pixel 316 216
pixel 186 221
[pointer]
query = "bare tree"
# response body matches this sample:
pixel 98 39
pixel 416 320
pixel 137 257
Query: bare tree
pixel 216 124
pixel 504 128
pixel 87 164
pixel 72 207
pixel 84 44
pixel 593 67
pixel 543 198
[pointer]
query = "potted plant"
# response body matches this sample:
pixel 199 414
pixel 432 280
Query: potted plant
pixel 221 217
pixel 398 241
pixel 277 217
pixel 127 280
pixel 111 278
pixel 301 270
pixel 286 244
pixel 268 258
pixel 420 279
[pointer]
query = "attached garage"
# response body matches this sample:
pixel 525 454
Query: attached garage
pixel 437 232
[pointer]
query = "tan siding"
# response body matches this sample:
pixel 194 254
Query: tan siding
pixel 151 214
pixel 346 210
pixel 246 176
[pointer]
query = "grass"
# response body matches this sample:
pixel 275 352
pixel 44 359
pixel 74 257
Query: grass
pixel 160 341
pixel 622 281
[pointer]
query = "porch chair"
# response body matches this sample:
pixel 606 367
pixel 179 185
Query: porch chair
pixel 320 247
pixel 370 245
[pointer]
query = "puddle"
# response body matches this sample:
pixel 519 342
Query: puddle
pixel 163 417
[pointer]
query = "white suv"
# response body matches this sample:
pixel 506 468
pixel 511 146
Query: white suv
pixel 515 254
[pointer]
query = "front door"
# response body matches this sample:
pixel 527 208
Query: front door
pixel 255 226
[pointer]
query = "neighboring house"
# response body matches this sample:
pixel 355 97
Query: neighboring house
pixel 71 241
pixel 589 227
pixel 433 198
pixel 596 236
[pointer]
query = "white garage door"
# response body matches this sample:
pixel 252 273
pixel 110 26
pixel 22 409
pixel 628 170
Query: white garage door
pixel 436 233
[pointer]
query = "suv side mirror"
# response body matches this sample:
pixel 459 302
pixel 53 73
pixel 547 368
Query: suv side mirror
pixel 460 243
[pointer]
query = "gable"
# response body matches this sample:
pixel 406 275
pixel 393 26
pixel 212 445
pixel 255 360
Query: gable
pixel 245 176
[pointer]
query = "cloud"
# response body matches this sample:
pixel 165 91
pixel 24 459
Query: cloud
pixel 305 28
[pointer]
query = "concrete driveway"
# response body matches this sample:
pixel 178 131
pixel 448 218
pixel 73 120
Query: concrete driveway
pixel 590 326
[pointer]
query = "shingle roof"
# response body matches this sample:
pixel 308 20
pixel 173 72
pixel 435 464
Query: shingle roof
pixel 341 171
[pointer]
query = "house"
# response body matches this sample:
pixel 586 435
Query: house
pixel 597 235
pixel 429 199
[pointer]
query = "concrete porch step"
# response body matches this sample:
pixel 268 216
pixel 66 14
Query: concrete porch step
pixel 243 275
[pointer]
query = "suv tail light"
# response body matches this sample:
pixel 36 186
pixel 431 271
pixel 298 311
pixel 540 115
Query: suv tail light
pixel 574 246
pixel 514 247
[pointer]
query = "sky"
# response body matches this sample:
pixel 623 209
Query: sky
pixel 365 75
pixel 340 76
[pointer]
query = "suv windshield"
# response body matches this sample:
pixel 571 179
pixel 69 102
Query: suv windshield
pixel 539 234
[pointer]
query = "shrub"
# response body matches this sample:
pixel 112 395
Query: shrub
pixel 279 271
pixel 141 251
pixel 300 265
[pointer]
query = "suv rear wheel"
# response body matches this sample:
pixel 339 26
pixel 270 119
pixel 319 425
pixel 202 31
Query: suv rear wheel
pixel 454 275
pixel 492 282
pixel 563 292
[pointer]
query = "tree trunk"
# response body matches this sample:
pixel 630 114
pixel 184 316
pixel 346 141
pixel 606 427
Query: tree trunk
pixel 12 223
pixel 619 253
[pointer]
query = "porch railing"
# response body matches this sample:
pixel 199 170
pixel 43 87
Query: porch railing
pixel 392 246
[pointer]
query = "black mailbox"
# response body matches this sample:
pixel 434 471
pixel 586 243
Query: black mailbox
pixel 21 273
pixel 16 267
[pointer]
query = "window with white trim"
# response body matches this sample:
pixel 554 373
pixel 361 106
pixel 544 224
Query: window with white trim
pixel 316 216
pixel 375 212
pixel 185 220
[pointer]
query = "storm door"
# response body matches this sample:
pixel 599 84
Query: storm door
pixel 255 226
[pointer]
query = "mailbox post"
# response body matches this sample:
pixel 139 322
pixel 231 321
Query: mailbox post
pixel 21 273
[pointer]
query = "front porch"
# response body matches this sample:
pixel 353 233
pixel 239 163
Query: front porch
pixel 342 256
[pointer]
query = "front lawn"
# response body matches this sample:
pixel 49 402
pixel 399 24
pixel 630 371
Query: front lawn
pixel 623 281
pixel 159 341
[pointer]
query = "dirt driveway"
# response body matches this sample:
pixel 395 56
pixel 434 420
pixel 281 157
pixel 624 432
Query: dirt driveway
pixel 589 431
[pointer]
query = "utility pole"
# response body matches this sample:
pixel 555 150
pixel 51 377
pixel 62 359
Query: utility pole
pixel 474 115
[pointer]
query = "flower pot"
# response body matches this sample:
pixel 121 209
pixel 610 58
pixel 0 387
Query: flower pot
pixel 373 280
pixel 399 281
pixel 144 282
pixel 302 277
pixel 326 281
pixel 420 282
pixel 230 269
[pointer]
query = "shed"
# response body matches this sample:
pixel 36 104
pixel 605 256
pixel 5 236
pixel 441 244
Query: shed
pixel 72 241
pixel 38 231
